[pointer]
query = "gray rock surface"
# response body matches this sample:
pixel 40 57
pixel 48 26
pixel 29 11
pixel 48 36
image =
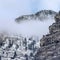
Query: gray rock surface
pixel 50 43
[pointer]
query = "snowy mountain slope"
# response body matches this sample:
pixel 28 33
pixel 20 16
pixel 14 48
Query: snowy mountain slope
pixel 24 46
pixel 35 24
pixel 41 15
pixel 18 47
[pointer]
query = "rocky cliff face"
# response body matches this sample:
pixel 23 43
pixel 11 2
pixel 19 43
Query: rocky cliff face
pixel 50 43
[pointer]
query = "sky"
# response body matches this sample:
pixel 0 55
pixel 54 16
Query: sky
pixel 11 9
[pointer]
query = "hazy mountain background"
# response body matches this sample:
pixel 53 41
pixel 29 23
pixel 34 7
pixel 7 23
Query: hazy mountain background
pixel 32 29
pixel 9 10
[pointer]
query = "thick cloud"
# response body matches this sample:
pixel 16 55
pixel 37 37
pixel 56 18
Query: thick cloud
pixel 11 9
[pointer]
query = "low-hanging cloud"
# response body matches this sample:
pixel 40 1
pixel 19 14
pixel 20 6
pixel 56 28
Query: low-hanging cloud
pixel 50 4
pixel 10 9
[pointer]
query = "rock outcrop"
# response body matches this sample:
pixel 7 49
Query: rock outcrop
pixel 50 43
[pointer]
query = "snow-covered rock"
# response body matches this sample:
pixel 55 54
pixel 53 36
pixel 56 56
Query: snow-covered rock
pixel 41 15
pixel 18 47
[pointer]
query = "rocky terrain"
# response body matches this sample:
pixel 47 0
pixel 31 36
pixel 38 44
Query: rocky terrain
pixel 50 43
pixel 17 47
pixel 41 15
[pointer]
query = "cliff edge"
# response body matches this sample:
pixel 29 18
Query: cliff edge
pixel 50 43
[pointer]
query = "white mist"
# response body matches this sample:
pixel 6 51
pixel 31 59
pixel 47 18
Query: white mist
pixel 27 28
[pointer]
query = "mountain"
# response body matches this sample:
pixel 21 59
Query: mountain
pixel 50 43
pixel 17 47
pixel 41 15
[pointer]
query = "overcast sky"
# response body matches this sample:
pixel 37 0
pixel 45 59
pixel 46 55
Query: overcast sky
pixel 11 9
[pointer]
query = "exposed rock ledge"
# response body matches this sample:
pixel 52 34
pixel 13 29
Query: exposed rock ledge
pixel 50 43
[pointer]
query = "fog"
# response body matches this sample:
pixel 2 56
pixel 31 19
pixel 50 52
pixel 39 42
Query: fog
pixel 11 9
pixel 27 28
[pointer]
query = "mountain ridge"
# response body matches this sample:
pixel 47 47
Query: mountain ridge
pixel 43 14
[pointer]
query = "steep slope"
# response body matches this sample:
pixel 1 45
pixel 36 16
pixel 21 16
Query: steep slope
pixel 50 43
pixel 17 47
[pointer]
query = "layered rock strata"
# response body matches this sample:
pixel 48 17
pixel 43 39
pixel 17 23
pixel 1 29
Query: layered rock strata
pixel 50 43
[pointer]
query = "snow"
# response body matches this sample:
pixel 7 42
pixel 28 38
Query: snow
pixel 32 30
